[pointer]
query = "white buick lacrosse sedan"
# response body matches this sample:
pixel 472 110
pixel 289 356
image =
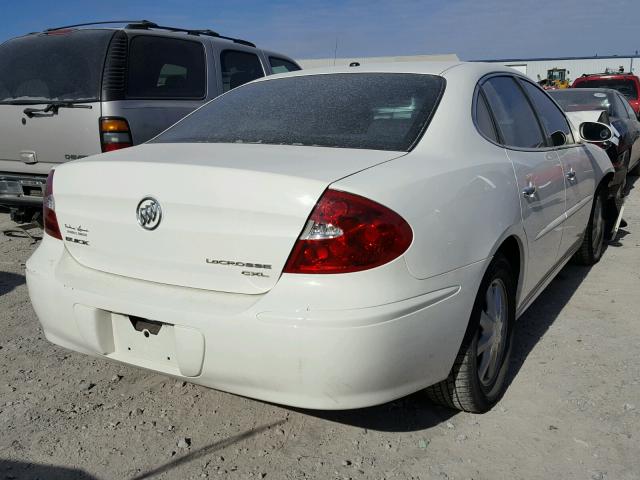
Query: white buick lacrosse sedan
pixel 328 239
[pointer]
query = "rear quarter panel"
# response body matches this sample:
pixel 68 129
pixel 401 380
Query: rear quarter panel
pixel 456 189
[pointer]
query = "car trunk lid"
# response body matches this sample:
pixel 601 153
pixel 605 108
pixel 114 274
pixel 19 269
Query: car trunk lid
pixel 231 213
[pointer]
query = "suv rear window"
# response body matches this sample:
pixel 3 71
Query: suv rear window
pixel 166 68
pixel 625 87
pixel 64 66
pixel 379 111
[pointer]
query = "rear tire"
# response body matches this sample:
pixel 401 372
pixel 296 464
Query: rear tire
pixel 593 246
pixel 477 379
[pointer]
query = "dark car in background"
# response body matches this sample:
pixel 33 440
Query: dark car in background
pixel 70 92
pixel 625 83
pixel 616 111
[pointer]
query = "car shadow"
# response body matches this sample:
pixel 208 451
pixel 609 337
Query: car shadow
pixel 409 414
pixel 535 322
pixel 617 240
pixel 9 281
pixel 33 471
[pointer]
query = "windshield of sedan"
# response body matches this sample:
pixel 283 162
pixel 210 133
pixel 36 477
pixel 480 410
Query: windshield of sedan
pixel 574 100
pixel 378 111
pixel 62 66
pixel 625 87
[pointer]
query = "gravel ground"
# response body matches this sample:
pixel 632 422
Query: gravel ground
pixel 572 410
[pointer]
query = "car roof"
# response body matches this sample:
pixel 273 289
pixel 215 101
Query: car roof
pixel 606 75
pixel 477 69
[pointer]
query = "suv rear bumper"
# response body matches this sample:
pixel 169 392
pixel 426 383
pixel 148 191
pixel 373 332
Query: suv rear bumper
pixel 22 190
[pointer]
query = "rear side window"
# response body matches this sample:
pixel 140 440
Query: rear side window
pixel 280 65
pixel 515 118
pixel 625 87
pixel 484 120
pixel 378 111
pixel 66 66
pixel 239 68
pixel 166 68
pixel 551 116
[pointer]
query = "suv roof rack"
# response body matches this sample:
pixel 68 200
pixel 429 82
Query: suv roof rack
pixel 146 24
pixel 94 23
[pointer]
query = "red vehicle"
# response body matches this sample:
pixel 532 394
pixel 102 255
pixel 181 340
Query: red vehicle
pixel 626 83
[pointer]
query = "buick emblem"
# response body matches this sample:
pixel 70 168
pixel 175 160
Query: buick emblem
pixel 149 213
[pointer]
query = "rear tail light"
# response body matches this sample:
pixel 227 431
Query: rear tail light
pixel 348 233
pixel 49 210
pixel 114 134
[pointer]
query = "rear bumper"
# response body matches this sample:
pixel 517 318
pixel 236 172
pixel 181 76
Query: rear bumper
pixel 22 190
pixel 272 347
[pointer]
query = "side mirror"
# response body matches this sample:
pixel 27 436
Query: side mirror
pixel 595 132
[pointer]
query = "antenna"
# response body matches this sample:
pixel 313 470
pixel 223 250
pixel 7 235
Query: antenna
pixel 335 52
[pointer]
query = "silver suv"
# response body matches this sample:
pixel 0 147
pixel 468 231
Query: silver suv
pixel 70 92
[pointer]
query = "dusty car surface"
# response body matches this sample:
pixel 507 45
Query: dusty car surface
pixel 331 239
pixel 71 92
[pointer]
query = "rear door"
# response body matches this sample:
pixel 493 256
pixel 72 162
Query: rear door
pixel 538 172
pixel 41 70
pixel 576 164
pixel 166 79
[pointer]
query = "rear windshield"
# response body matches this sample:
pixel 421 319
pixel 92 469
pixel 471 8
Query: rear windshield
pixel 379 111
pixel 53 67
pixel 625 87
pixel 572 100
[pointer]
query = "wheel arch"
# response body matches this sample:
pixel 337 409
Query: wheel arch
pixel 513 247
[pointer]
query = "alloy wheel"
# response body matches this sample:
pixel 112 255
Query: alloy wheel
pixel 492 335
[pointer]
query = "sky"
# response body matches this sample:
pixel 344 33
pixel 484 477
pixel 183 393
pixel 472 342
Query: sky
pixel 472 29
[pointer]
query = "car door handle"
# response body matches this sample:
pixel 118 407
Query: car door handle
pixel 529 191
pixel 571 175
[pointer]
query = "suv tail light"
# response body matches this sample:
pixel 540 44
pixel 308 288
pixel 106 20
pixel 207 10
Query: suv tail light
pixel 114 134
pixel 49 210
pixel 348 233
